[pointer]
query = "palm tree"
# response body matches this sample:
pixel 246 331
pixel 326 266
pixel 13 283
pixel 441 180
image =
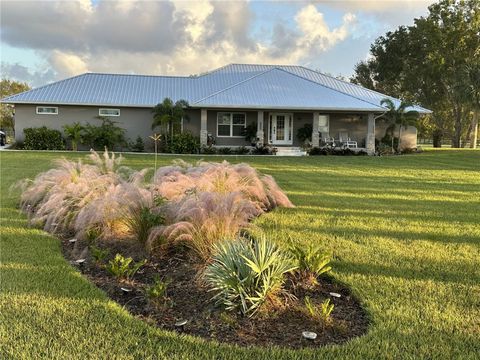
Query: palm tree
pixel 74 133
pixel 167 114
pixel 400 116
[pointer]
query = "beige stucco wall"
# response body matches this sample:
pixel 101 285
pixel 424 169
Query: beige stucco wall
pixel 135 121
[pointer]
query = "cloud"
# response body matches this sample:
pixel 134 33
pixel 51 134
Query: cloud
pixel 160 37
pixel 21 73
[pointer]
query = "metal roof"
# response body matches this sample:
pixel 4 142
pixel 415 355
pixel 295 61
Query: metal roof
pixel 234 85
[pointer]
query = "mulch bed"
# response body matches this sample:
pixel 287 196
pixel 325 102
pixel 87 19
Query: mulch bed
pixel 188 299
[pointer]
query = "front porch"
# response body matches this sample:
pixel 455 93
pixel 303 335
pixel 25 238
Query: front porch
pixel 287 129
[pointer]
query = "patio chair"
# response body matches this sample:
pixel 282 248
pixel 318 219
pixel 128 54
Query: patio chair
pixel 346 141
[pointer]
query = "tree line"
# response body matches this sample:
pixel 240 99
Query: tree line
pixel 435 63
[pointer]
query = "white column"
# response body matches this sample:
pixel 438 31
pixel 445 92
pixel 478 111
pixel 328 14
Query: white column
pixel 260 132
pixel 315 133
pixel 370 142
pixel 203 127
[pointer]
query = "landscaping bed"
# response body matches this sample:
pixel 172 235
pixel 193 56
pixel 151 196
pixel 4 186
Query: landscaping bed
pixel 187 298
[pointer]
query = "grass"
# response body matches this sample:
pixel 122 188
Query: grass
pixel 405 232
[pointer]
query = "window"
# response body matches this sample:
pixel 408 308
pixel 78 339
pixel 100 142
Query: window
pixel 323 123
pixel 47 110
pixel 109 112
pixel 230 124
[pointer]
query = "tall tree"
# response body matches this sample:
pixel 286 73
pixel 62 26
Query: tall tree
pixel 7 88
pixel 420 63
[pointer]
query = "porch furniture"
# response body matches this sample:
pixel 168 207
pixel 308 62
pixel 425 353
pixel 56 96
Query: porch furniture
pixel 346 141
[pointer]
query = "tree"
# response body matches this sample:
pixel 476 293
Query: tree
pixel 8 88
pixel 400 116
pixel 469 86
pixel 420 64
pixel 74 133
pixel 167 115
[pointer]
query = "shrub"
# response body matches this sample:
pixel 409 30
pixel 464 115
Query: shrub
pixel 74 133
pixel 208 150
pixel 43 138
pixel 123 268
pixel 263 150
pixel 106 135
pixel 321 312
pixel 138 145
pixel 242 150
pixel 250 133
pixel 224 150
pixel 184 143
pixel 244 276
pixel 304 134
pixel 310 260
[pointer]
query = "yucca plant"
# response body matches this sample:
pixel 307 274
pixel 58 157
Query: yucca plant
pixel 123 268
pixel 245 275
pixel 311 261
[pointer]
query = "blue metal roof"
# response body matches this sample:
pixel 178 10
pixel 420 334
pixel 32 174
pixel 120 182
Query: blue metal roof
pixel 234 85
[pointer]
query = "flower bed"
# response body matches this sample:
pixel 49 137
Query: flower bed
pixel 175 250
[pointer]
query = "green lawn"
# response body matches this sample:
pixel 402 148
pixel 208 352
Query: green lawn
pixel 405 232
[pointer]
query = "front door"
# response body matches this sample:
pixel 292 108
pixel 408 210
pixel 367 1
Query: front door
pixel 281 126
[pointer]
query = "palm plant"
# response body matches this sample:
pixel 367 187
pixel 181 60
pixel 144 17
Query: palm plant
pixel 167 115
pixel 74 133
pixel 400 116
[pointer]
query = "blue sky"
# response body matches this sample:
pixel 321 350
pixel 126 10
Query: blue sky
pixel 47 41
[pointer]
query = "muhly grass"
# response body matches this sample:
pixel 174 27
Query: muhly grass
pixel 197 205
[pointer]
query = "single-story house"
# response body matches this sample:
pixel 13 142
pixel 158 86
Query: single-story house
pixel 279 99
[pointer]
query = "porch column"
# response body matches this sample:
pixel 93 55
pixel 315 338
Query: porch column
pixel 260 132
pixel 370 142
pixel 203 127
pixel 315 133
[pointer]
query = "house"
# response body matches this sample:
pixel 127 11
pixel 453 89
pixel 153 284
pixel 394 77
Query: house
pixel 278 99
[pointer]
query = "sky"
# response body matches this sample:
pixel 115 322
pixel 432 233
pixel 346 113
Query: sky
pixel 45 41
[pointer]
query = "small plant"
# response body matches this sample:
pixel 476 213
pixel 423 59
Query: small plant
pixel 321 312
pixel 98 254
pixel 242 150
pixel 158 290
pixel 225 150
pixel 141 220
pixel 208 150
pixel 304 134
pixel 124 268
pixel 138 145
pixel 311 261
pixel 245 275
pixel 250 133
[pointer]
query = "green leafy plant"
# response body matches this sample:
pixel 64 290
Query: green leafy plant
pixel 250 133
pixel 157 291
pixel 98 254
pixel 74 134
pixel 138 145
pixel 167 116
pixel 43 138
pixel 245 275
pixel 242 150
pixel 141 220
pixel 123 268
pixel 320 312
pixel 224 150
pixel 311 261
pixel 304 134
pixel 184 143
pixel 106 135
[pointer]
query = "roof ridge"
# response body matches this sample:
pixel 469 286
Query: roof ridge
pixel 232 86
pixel 328 87
pixel 42 87
pixel 143 75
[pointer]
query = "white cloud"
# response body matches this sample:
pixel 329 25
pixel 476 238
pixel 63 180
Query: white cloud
pixel 165 37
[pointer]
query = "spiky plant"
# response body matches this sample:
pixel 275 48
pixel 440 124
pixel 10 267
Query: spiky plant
pixel 244 276
pixel 311 261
